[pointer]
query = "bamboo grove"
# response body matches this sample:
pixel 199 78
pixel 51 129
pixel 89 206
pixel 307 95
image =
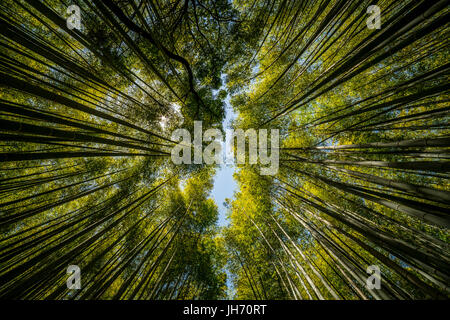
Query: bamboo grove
pixel 86 177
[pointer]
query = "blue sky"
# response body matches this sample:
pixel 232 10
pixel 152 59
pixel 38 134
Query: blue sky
pixel 224 184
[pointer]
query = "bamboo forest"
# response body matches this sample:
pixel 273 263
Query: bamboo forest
pixel 91 92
